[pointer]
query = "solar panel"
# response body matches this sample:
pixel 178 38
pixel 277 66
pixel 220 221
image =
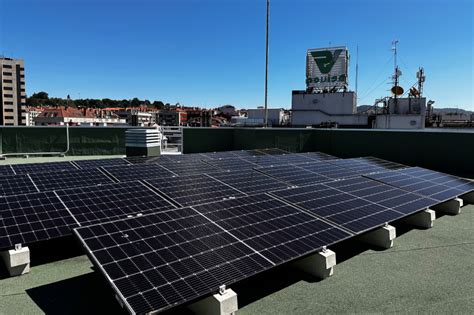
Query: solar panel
pixel 138 171
pixel 31 168
pixel 232 163
pixel 389 165
pixel 317 156
pixel 294 175
pixel 357 166
pixel 272 151
pixel 194 189
pixel 329 169
pixel 273 228
pixel 355 204
pixel 158 261
pixel 283 159
pixel 424 187
pixel 190 168
pixel 146 159
pixel 16 184
pixel 385 195
pixel 100 162
pixel 439 178
pixel 29 218
pixel 6 170
pixel 112 201
pixel 68 179
pixel 222 154
pixel 250 181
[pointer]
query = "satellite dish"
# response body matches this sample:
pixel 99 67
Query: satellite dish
pixel 414 92
pixel 397 90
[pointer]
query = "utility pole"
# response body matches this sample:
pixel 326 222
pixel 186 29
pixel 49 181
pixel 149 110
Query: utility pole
pixel 266 67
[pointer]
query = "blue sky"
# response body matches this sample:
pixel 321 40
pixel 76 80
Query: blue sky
pixel 212 52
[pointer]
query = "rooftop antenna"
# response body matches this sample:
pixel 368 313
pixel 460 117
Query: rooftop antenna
pixel 420 75
pixel 397 73
pixel 266 66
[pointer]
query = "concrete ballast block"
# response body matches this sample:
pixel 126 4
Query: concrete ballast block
pixel 320 265
pixel 382 237
pixel 223 303
pixel 450 207
pixel 17 260
pixel 468 198
pixel 423 219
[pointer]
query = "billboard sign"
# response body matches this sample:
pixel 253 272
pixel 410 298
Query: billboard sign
pixel 326 68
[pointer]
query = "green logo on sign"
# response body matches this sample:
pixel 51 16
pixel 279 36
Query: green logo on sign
pixel 325 59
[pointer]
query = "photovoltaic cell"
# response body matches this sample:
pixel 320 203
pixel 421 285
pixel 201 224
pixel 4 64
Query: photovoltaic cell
pixel 29 218
pixel 384 195
pixel 146 159
pixel 194 189
pixel 69 179
pixel 15 185
pixel 190 168
pixel 161 260
pixel 273 228
pixel 317 156
pixel 231 164
pixel 84 164
pixel 293 175
pixel 388 165
pixel 222 155
pixel 407 180
pixel 272 151
pixel 42 167
pixel 95 204
pixel 357 204
pixel 250 181
pixel 138 171
pixel 6 170
pixel 329 170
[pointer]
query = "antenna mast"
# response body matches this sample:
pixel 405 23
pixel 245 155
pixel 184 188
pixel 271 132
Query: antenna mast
pixel 397 72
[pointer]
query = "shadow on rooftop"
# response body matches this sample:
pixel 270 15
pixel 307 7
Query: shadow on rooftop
pixel 85 294
pixel 54 250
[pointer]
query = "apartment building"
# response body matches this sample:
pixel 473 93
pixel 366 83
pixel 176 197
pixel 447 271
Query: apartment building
pixel 12 92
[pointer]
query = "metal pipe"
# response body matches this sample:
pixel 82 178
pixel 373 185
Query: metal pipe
pixel 43 153
pixel 266 67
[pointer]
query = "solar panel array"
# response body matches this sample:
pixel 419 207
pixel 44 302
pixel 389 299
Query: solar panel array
pixel 250 181
pixel 435 185
pixel 74 178
pixel 158 261
pixel 194 189
pixel 16 184
pixel 174 228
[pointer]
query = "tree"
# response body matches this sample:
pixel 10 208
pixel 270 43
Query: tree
pixel 158 104
pixel 40 95
pixel 135 102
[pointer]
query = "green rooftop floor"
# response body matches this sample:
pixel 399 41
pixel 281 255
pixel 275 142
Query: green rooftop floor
pixel 427 271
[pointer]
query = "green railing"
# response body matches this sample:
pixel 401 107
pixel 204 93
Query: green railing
pixel 449 151
pixel 443 150
pixel 83 140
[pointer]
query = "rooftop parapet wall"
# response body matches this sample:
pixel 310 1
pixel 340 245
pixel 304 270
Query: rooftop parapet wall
pixel 83 140
pixel 442 150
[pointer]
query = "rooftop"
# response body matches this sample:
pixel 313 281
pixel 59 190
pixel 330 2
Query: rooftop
pixel 426 271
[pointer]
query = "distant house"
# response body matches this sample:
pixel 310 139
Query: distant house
pixel 73 116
